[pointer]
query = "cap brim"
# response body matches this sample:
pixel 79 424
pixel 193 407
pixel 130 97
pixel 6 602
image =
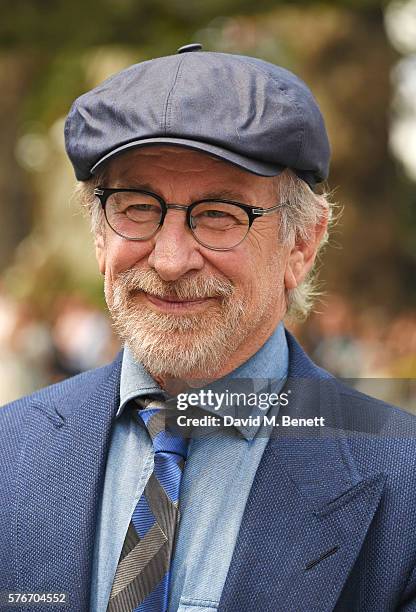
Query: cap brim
pixel 251 165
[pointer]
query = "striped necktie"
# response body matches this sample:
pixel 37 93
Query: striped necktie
pixel 141 582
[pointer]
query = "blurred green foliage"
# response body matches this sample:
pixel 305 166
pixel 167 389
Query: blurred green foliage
pixel 52 25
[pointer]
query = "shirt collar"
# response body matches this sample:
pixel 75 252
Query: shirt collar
pixel 265 370
pixel 135 381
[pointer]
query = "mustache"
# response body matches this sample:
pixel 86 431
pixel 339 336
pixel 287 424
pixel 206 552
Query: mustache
pixel 184 288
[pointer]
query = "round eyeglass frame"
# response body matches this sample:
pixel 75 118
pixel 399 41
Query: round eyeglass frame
pixel 253 213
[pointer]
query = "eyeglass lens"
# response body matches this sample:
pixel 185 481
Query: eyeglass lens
pixel 214 224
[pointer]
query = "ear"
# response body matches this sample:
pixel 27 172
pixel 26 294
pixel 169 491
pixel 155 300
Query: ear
pixel 302 255
pixel 100 251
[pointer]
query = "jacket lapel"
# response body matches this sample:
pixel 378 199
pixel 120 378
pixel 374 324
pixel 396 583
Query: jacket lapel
pixel 309 508
pixel 60 480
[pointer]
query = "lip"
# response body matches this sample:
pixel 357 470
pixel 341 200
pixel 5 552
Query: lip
pixel 173 305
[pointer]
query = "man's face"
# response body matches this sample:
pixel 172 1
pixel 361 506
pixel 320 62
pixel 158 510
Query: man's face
pixel 187 311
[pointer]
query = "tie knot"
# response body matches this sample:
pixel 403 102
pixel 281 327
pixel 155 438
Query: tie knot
pixel 156 416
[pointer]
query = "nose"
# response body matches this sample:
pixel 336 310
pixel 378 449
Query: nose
pixel 175 251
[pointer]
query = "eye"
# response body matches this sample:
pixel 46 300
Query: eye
pixel 133 206
pixel 143 212
pixel 141 208
pixel 122 201
pixel 214 214
pixel 218 216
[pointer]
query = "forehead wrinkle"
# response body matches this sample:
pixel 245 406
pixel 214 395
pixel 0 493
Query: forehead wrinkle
pixel 125 181
pixel 217 194
pixel 163 156
pixel 134 175
pixel 131 173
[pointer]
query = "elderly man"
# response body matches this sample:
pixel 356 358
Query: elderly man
pixel 212 466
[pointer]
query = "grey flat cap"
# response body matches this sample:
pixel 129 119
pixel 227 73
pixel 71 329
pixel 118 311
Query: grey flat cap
pixel 249 112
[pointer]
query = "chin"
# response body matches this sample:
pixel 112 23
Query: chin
pixel 183 353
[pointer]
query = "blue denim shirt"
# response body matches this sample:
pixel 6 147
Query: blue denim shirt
pixel 217 478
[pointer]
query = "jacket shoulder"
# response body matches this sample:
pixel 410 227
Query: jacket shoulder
pixel 364 413
pixel 16 417
pixel 13 416
pixel 381 438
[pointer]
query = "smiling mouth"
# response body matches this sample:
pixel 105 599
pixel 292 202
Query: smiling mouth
pixel 174 303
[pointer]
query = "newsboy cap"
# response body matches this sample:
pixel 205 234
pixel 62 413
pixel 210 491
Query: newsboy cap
pixel 247 111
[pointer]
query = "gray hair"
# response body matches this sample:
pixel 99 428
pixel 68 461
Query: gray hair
pixel 304 209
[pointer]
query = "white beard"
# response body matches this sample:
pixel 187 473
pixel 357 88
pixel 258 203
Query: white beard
pixel 178 345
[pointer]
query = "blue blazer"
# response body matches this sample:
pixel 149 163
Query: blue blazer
pixel 330 522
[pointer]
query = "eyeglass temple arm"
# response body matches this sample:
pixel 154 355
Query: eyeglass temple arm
pixel 259 212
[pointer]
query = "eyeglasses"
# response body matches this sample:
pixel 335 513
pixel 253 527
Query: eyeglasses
pixel 219 225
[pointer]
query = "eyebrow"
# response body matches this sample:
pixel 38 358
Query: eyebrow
pixel 220 194
pixel 224 194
